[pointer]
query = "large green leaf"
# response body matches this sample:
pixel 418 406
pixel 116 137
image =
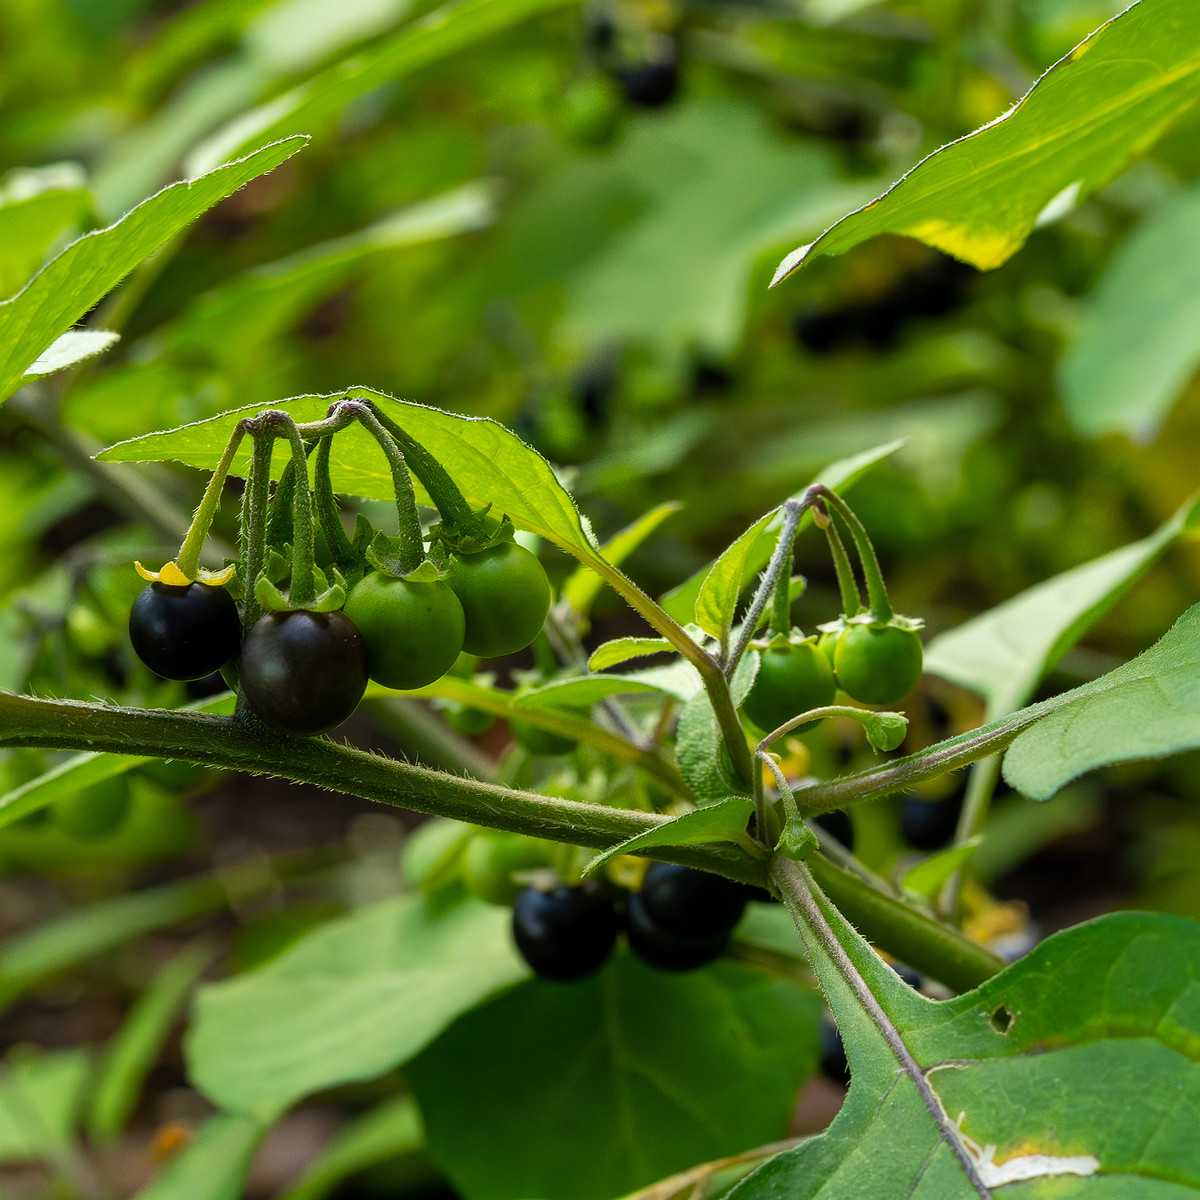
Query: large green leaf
pixel 1147 708
pixel 1139 341
pixel 70 284
pixel 660 1071
pixel 1004 653
pixel 1107 101
pixel 351 1000
pixel 1071 1073
pixel 435 36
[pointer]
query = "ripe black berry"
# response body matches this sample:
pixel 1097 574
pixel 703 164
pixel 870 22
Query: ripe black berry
pixel 184 632
pixel 657 947
pixel 688 903
pixel 566 933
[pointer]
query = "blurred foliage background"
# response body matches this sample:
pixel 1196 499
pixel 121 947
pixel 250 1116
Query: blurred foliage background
pixel 569 225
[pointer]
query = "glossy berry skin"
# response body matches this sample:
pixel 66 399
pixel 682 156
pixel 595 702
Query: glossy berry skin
pixel 657 947
pixel 567 933
pixel 791 679
pixel 413 631
pixel 877 664
pixel 505 597
pixel 303 672
pixel 688 903
pixel 184 632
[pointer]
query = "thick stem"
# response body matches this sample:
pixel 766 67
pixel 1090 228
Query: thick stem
pixel 778 569
pixel 781 607
pixel 189 553
pixel 881 607
pixel 804 898
pixel 847 584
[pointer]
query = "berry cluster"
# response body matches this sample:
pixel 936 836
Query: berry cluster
pixel 381 609
pixel 681 919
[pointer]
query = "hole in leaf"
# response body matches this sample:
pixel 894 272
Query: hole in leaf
pixel 1002 1019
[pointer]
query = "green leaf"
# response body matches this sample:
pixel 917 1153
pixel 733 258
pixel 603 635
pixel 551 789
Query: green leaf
pixel 70 284
pixel 352 999
pixel 719 187
pixel 715 591
pixel 698 742
pixel 70 348
pixel 724 821
pixel 591 689
pixel 37 208
pixel 435 36
pixel 235 320
pixel 620 650
pixel 928 877
pixel 384 1134
pixel 1147 708
pixel 1004 653
pixel 40 1098
pixel 213 1165
pixel 583 585
pixel 1106 102
pixel 1015 1068
pixel 1139 340
pixel 661 1070
pixel 135 1047
pixel 489 462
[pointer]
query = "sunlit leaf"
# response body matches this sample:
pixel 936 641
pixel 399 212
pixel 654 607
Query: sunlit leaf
pixel 621 650
pixel 70 348
pixel 40 1100
pixel 1106 102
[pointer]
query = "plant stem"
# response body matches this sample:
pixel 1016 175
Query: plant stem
pixel 456 513
pixel 189 553
pixel 412 543
pixel 847 584
pixel 881 607
pixel 255 503
pixel 228 743
pixel 803 896
pixel 824 796
pixel 327 511
pixel 776 574
pixel 303 588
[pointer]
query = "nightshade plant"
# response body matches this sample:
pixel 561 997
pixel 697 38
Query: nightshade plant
pixel 990 1090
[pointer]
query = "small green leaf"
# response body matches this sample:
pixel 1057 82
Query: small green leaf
pixel 349 1001
pixel 621 650
pixel 583 584
pixel 70 348
pixel 928 877
pixel 698 742
pixel 88 269
pixel 724 821
pixel 715 591
pixel 1147 708
pixel 591 689
pixel 1106 102
pixel 1004 653
pixel 662 1071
